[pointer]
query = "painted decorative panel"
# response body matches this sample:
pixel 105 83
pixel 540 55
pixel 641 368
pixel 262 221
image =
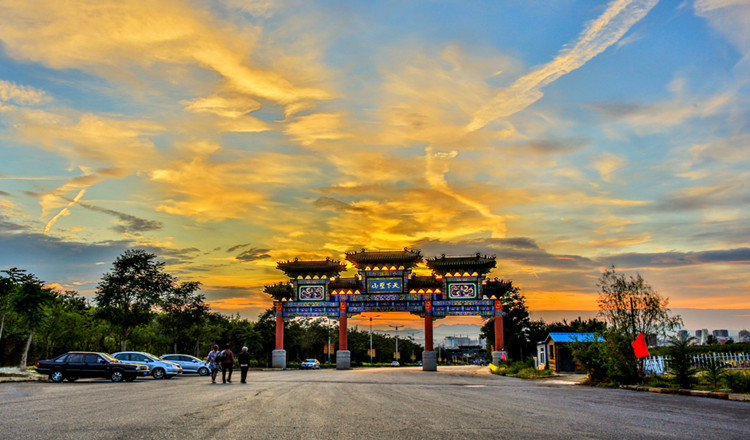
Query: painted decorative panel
pixel 312 293
pixel 385 285
pixel 462 290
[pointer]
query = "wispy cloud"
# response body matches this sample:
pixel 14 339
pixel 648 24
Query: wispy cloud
pixel 129 223
pixel 22 95
pixel 598 35
pixel 163 32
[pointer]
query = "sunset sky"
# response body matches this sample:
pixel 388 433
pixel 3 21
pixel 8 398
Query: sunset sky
pixel 561 136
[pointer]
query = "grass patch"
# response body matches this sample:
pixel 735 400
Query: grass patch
pixel 533 373
pixel 734 381
pixel 523 369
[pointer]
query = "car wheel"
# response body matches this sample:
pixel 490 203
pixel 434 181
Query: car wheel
pixel 158 373
pixel 116 376
pixel 203 371
pixel 56 376
pixel 71 379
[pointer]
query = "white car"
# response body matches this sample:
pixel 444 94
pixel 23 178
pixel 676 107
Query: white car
pixel 312 364
pixel 189 364
pixel 160 369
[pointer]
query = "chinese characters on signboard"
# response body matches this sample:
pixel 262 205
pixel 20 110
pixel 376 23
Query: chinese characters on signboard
pixel 383 285
pixel 462 291
pixel 312 293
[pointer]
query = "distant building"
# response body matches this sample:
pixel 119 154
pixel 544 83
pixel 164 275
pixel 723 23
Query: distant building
pixel 743 336
pixel 702 336
pixel 720 333
pixel 722 336
pixel 683 335
pixel 455 341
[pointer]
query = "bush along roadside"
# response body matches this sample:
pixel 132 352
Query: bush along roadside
pixel 523 369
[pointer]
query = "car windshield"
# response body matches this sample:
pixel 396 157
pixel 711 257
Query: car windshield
pixel 109 358
pixel 156 358
pixel 310 360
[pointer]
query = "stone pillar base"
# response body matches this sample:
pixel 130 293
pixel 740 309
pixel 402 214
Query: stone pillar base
pixel 343 360
pixel 278 359
pixel 429 360
pixel 497 357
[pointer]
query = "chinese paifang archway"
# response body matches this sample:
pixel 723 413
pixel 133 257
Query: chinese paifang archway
pixel 385 283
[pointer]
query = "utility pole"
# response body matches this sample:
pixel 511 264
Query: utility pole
pixel 371 337
pixel 396 327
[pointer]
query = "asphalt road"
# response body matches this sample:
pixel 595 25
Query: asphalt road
pixel 398 403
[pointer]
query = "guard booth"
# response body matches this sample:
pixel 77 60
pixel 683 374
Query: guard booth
pixel 557 352
pixel 384 282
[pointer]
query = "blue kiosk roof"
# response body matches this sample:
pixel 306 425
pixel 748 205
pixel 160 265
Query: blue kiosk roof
pixel 572 337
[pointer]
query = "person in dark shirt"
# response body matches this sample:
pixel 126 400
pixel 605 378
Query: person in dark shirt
pixel 227 365
pixel 244 360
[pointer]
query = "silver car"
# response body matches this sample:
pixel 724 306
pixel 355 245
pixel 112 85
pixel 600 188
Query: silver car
pixel 160 369
pixel 189 364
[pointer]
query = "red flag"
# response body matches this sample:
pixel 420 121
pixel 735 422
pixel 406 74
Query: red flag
pixel 639 346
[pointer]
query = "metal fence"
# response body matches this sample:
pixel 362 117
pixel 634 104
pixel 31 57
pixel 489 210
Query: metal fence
pixel 737 361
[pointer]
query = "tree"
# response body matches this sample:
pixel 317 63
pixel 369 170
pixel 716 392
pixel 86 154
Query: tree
pixel 28 300
pixel 632 305
pixel 182 309
pixel 578 325
pixel 127 295
pixel 6 289
pixel 714 371
pixel 517 327
pixel 681 362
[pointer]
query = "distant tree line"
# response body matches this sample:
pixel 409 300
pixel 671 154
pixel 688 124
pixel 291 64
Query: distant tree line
pixel 139 306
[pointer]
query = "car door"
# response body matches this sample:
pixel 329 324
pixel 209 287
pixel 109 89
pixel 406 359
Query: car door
pixel 96 366
pixel 191 364
pixel 178 360
pixel 139 359
pixel 123 357
pixel 75 365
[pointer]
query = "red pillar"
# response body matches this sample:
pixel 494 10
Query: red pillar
pixel 279 326
pixel 343 345
pixel 428 326
pixel 499 335
pixel 342 333
pixel 428 334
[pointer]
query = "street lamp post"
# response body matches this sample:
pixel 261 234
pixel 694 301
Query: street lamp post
pixel 371 337
pixel 396 327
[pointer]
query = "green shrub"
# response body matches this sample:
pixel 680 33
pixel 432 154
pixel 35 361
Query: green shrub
pixel 713 372
pixel 656 381
pixel 611 362
pixel 681 363
pixel 530 373
pixel 738 381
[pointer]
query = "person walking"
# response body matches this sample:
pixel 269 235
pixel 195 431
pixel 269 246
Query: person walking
pixel 213 365
pixel 244 360
pixel 226 365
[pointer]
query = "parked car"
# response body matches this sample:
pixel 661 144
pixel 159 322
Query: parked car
pixel 394 364
pixel 77 364
pixel 160 369
pixel 189 364
pixel 312 364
